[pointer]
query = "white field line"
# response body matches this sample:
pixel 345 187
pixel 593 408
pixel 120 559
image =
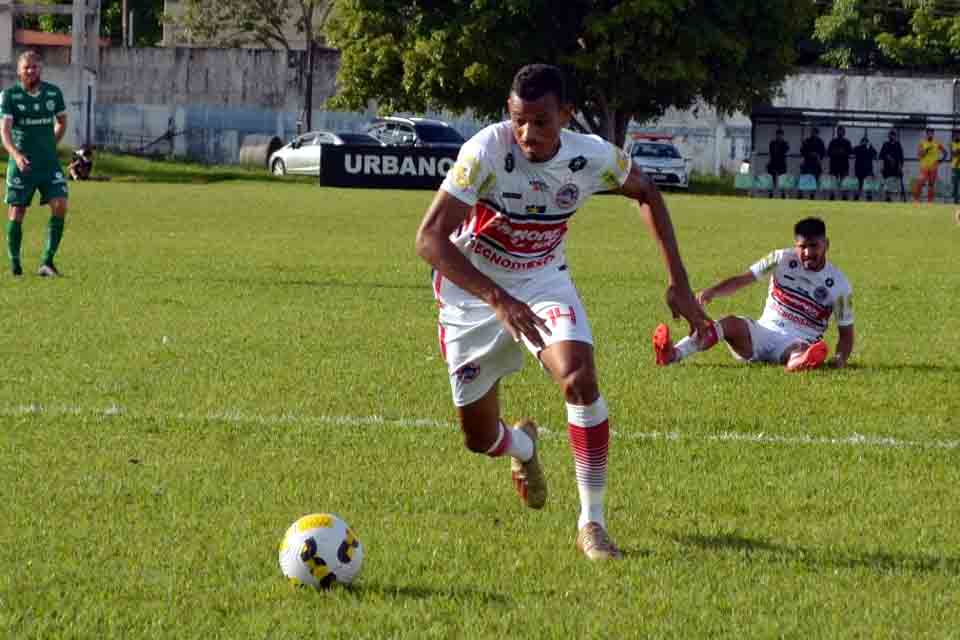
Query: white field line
pixel 113 411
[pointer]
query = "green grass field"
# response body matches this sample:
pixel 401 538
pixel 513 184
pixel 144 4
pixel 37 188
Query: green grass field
pixel 220 359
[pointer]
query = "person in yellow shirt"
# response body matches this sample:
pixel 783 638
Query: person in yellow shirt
pixel 955 165
pixel 930 152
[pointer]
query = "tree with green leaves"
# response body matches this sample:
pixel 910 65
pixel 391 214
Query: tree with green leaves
pixel 147 20
pixel 909 34
pixel 628 59
pixel 233 23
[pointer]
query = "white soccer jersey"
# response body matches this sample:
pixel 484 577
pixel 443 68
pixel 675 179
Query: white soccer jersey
pixel 521 209
pixel 800 302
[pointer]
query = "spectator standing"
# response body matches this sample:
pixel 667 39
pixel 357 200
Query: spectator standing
pixel 891 157
pixel 929 152
pixel 813 152
pixel 779 148
pixel 839 153
pixel 863 157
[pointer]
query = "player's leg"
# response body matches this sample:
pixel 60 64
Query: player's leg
pixel 479 352
pixel 571 365
pixel 58 215
pixel 484 432
pixel 802 355
pixel 735 331
pixel 15 215
pixel 932 188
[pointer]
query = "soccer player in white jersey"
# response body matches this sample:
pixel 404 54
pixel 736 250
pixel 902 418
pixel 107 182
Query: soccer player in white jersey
pixel 494 235
pixel 805 290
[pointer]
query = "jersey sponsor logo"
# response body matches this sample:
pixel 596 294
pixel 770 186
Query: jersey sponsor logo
pixel 829 282
pixel 508 163
pixel 793 264
pixel 510 264
pixel 522 239
pixel 358 163
pixel 16 181
pixel 36 107
pixel 567 196
pixel 820 293
pixel 533 209
pixel 465 172
pixel 50 105
pixel 539 185
pixel 792 301
pixel 21 106
pixel 610 180
pixel 622 160
pixel 577 164
pixel 510 195
pixel 37 121
pixel 467 373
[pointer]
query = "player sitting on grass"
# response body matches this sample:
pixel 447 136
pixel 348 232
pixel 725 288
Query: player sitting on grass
pixel 805 290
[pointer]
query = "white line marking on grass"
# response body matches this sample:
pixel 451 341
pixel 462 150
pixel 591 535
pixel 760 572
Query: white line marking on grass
pixel 114 411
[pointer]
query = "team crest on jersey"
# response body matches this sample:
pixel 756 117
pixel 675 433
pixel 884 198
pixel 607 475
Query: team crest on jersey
pixel 820 293
pixel 22 107
pixel 534 209
pixel 577 164
pixel 508 163
pixel 829 282
pixel 467 373
pixel 567 195
pixel 539 185
pixel 36 107
pixel 50 105
pixel 793 264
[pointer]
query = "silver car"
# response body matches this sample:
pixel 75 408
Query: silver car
pixel 662 162
pixel 302 155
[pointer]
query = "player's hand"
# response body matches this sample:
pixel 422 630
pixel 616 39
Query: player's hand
pixel 683 304
pixel 705 296
pixel 23 162
pixel 521 321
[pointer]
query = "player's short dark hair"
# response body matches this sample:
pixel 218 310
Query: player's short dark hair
pixel 810 228
pixel 534 81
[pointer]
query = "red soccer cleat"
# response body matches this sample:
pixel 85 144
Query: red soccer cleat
pixel 810 358
pixel 662 346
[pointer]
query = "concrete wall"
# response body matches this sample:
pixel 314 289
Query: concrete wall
pixel 208 100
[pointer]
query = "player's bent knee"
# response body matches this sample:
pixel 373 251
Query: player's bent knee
pixel 580 385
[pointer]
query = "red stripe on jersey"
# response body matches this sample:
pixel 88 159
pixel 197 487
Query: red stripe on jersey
pixel 799 305
pixel 518 238
pixel 442 336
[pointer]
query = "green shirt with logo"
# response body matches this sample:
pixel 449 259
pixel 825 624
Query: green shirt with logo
pixel 33 116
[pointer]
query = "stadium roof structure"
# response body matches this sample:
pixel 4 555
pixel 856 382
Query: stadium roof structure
pixel 792 116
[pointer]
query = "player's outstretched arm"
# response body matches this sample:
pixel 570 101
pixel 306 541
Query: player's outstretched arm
pixel 59 127
pixel 433 244
pixel 653 209
pixel 726 287
pixel 845 341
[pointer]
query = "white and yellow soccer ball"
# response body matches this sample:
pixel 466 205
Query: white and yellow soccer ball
pixel 320 550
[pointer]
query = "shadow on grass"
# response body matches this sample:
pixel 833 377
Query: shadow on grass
pixel 919 367
pixel 412 592
pixel 877 561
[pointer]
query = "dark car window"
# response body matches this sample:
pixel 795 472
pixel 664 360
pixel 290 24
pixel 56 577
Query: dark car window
pixel 435 133
pixel 654 150
pixel 358 138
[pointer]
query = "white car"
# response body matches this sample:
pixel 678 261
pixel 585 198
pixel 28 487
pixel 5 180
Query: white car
pixel 662 162
pixel 302 155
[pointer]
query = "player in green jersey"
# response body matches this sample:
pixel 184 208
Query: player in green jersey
pixel 34 120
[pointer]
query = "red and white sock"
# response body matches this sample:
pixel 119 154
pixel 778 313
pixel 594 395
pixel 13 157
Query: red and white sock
pixel 511 442
pixel 589 431
pixel 692 344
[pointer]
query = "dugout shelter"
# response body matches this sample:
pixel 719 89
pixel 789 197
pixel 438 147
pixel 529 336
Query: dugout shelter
pixel 798 123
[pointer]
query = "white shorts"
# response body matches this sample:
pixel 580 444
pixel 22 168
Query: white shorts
pixel 479 350
pixel 769 345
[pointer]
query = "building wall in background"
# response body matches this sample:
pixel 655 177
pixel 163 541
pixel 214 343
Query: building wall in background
pixel 207 100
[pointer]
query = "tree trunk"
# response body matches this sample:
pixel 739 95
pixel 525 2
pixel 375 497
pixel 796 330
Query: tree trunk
pixel 308 98
pixel 621 120
pixel 124 22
